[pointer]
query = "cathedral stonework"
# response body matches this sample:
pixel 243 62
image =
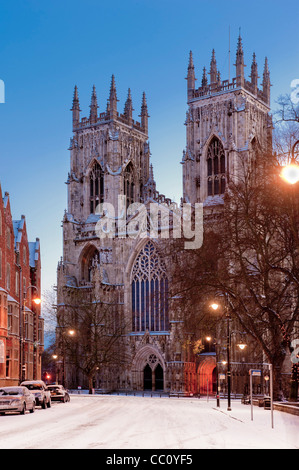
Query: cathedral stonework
pixel 109 160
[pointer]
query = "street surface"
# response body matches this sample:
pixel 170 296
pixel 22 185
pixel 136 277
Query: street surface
pixel 120 422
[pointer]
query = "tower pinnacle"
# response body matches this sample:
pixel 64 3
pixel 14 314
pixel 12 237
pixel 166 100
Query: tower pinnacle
pixel 76 108
pixel 254 74
pixel 112 100
pixel 144 114
pixel 266 82
pixel 240 63
pixel 93 106
pixel 128 111
pixel 190 76
pixel 213 68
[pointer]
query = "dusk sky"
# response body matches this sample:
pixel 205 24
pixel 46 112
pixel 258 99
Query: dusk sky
pixel 47 48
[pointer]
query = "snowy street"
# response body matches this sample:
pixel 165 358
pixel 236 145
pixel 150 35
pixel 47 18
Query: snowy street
pixel 120 422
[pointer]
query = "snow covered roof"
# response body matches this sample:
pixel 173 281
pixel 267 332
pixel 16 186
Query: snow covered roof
pixel 33 253
pixel 18 226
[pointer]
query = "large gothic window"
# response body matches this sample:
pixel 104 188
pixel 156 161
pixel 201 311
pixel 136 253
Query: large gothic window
pixel 129 184
pixel 216 168
pixel 149 292
pixel 96 187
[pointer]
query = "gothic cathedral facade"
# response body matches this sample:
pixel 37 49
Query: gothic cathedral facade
pixel 109 160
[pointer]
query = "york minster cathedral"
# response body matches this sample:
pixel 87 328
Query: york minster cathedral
pixel 109 163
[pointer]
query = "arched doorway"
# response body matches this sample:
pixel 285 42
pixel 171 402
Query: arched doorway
pixel 147 378
pixel 207 376
pixel 148 369
pixel 159 378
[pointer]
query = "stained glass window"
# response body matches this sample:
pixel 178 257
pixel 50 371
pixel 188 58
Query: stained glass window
pixel 149 291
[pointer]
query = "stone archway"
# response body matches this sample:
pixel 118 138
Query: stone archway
pixel 148 369
pixel 147 378
pixel 207 376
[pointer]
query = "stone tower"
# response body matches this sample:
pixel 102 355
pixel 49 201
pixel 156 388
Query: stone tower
pixel 109 159
pixel 224 120
pixel 109 155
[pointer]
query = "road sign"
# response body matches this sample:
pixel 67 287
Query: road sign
pixel 255 372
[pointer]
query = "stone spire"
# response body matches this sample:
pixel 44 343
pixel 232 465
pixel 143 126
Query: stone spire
pixel 266 82
pixel 76 108
pixel 240 63
pixel 144 114
pixel 190 77
pixel 254 74
pixel 93 116
pixel 128 111
pixel 112 102
pixel 204 81
pixel 213 68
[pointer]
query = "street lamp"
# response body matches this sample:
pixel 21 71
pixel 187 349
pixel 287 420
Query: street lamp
pixel 241 345
pixel 290 172
pixel 37 301
pixel 215 307
pixel 66 331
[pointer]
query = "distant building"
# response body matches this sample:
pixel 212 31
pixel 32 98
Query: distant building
pixel 21 325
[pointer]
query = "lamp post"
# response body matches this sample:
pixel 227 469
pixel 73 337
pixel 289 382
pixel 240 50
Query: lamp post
pixel 71 333
pixel 215 307
pixel 241 346
pixel 37 301
pixel 290 174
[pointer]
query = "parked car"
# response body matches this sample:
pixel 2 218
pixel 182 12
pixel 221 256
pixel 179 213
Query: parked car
pixel 40 391
pixel 58 392
pixel 16 399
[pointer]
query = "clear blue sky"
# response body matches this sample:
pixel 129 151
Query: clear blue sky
pixel 46 47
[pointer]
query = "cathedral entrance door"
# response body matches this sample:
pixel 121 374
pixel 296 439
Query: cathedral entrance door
pixel 147 378
pixel 159 378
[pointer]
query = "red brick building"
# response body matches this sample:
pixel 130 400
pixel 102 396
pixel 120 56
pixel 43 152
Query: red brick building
pixel 21 325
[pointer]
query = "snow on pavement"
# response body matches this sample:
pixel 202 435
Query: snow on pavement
pixel 119 422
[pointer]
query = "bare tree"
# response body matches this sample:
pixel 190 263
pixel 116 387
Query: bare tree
pixel 288 109
pixel 97 327
pixel 250 258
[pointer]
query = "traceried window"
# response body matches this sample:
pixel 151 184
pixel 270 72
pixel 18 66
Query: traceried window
pixel 216 168
pixel 129 184
pixel 149 292
pixel 96 187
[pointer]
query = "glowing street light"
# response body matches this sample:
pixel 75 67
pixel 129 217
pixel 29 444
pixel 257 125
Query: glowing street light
pixel 37 300
pixel 290 173
pixel 214 306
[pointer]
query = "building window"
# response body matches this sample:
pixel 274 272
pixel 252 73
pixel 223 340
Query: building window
pixel 216 168
pixel 96 187
pixel 90 261
pixel 129 187
pixel 149 292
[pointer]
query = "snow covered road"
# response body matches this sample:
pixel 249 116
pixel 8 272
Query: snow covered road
pixel 119 422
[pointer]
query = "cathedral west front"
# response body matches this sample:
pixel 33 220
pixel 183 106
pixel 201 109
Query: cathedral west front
pixel 110 164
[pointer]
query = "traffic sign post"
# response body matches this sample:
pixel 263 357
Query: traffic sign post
pixel 253 373
pixel 258 373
